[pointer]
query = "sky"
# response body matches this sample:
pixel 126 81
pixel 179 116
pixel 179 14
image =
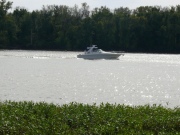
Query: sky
pixel 112 4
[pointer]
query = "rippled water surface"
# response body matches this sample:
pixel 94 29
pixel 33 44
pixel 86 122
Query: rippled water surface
pixel 59 77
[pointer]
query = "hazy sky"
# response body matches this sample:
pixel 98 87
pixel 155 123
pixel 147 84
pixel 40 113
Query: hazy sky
pixel 112 4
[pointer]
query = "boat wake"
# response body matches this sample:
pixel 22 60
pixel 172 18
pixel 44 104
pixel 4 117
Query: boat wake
pixel 38 54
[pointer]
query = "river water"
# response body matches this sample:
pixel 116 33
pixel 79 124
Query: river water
pixel 60 77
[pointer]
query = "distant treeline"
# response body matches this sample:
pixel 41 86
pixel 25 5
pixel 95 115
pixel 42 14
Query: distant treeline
pixel 152 29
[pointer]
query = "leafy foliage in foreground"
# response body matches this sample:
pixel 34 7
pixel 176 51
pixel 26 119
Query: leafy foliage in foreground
pixel 41 118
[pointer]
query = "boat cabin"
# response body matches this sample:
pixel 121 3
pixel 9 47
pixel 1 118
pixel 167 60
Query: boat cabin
pixel 93 49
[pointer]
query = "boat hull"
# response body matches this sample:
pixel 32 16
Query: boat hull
pixel 99 56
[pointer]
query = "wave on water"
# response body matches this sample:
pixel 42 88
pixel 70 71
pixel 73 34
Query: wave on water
pixel 39 54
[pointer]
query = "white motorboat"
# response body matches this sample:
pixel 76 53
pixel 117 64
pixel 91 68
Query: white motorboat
pixel 94 53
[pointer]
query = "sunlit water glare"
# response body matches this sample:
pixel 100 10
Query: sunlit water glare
pixel 60 77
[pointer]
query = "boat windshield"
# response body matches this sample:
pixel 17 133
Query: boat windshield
pixel 95 49
pixel 99 50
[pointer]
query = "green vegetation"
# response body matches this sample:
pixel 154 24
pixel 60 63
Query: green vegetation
pixel 152 29
pixel 17 118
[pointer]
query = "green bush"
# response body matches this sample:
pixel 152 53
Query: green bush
pixel 18 118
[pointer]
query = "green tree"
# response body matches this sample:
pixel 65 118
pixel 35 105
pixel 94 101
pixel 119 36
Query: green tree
pixel 7 25
pixel 59 27
pixel 104 28
pixel 23 22
pixel 122 23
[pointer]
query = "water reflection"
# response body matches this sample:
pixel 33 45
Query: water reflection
pixel 59 77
